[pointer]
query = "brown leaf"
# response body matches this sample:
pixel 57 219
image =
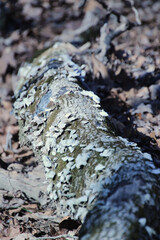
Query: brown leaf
pixel 47 32
pixel 143 93
pixel 6 59
pixel 142 130
pixel 158 142
pixel 152 135
pixel 143 108
pixel 31 12
pixel 12 129
pixel 8 158
pixel 139 116
pixel 3 65
pixel 100 70
pixel 6 105
pixel 11 233
pixel 15 35
pixel 92 5
pixel 140 61
pixel 21 48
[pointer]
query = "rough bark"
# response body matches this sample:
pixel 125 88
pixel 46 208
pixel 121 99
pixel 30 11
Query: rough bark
pixel 87 166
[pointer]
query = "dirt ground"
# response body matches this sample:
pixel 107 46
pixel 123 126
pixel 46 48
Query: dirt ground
pixel 120 42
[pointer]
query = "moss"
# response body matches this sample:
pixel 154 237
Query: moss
pixel 32 107
pixel 61 164
pixel 49 79
pixel 22 136
pixel 37 54
pixel 78 181
pixel 51 119
pixel 38 95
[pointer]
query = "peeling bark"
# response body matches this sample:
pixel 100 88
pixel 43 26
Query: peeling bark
pixel 88 168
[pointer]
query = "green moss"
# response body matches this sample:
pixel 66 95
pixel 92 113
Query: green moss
pixel 51 119
pixel 49 79
pixel 32 107
pixel 37 54
pixel 78 180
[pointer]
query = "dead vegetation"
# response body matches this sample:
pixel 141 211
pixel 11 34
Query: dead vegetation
pixel 120 43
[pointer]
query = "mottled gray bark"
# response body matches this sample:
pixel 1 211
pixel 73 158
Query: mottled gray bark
pixel 87 166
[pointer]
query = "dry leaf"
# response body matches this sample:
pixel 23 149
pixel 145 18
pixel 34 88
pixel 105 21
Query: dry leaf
pixel 143 108
pixel 158 142
pixel 31 12
pixel 152 135
pixel 6 59
pixel 140 61
pixel 100 70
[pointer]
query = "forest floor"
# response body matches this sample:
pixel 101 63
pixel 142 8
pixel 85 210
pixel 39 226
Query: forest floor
pixel 124 70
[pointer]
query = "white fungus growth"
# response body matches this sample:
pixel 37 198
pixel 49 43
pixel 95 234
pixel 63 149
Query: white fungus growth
pixel 85 163
pixel 99 167
pixel 107 153
pixel 81 159
pixel 90 94
pixel 142 221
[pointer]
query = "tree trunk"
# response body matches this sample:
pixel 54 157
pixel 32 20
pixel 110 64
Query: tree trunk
pixel 88 168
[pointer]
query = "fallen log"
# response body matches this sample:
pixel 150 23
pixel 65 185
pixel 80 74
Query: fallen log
pixel 90 170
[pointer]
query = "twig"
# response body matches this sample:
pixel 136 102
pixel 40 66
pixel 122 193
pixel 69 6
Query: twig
pixel 107 35
pixel 8 145
pixel 135 12
pixel 59 236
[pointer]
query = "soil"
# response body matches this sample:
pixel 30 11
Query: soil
pixel 124 70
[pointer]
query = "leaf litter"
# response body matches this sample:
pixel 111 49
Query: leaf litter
pixel 127 81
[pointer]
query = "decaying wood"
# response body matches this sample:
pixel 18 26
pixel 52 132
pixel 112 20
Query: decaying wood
pixel 88 168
